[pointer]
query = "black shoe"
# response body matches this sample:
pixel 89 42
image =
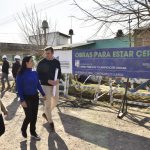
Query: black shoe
pixel 36 136
pixel 52 128
pixel 24 133
pixel 44 116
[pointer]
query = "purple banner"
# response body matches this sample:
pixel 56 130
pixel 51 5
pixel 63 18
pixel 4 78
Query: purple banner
pixel 120 62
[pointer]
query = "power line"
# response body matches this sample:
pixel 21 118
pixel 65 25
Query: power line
pixel 12 17
pixel 10 33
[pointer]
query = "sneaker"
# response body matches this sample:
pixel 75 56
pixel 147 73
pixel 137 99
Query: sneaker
pixel 36 136
pixel 24 133
pixel 52 128
pixel 44 116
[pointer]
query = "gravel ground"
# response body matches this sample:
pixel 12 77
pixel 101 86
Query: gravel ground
pixel 95 128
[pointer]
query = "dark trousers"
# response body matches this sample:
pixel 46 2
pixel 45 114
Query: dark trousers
pixel 2 126
pixel 31 113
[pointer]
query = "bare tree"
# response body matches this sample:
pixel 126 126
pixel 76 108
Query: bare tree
pixel 30 23
pixel 107 13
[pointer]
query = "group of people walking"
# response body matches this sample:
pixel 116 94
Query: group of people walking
pixel 29 83
pixel 5 70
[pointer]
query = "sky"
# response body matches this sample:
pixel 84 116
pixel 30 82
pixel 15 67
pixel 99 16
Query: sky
pixel 59 12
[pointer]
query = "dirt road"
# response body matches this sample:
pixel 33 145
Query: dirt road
pixel 96 128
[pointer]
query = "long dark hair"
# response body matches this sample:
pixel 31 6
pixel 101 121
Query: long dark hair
pixel 23 65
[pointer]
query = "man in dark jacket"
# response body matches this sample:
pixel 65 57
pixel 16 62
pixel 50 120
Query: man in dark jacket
pixel 15 68
pixel 5 72
pixel 46 70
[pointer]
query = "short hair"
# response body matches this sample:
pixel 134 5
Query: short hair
pixel 49 49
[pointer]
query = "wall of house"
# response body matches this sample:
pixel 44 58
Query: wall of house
pixel 113 43
pixel 142 37
pixel 53 39
pixel 109 43
pixel 10 54
pixel 62 40
pixel 88 46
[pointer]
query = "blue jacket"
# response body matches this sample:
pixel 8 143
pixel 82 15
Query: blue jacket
pixel 28 84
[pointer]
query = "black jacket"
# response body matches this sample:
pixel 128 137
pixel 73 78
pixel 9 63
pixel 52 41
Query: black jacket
pixel 5 67
pixel 46 70
pixel 15 68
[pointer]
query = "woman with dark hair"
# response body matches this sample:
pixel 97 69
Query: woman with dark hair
pixel 28 86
